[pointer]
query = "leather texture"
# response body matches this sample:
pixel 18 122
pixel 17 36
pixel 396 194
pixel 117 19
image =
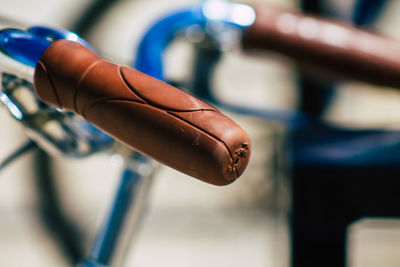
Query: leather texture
pixel 326 47
pixel 147 114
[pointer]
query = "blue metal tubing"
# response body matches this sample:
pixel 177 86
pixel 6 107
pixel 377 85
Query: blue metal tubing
pixel 366 11
pixel 325 146
pixel 22 46
pixel 27 46
pixel 153 45
pixel 106 240
pixel 122 218
pixel 54 34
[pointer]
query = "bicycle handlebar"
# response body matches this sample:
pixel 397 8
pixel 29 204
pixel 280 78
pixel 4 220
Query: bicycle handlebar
pixel 326 46
pixel 147 114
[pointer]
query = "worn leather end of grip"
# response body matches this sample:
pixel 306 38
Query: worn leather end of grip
pixel 147 114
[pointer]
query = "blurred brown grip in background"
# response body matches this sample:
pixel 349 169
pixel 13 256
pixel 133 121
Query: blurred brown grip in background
pixel 147 114
pixel 326 47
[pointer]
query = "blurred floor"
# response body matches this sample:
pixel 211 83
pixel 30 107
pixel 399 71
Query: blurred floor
pixel 189 223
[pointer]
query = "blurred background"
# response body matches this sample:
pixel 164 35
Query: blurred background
pixel 188 223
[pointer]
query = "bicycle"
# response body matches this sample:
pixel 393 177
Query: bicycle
pixel 197 151
pixel 151 61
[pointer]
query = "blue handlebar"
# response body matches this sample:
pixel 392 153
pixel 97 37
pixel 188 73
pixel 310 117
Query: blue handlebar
pixel 27 46
pixel 157 39
pixel 22 46
pixel 159 36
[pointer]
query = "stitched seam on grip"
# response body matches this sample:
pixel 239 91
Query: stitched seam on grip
pixel 80 81
pixel 187 111
pixel 87 107
pixel 84 110
pixel 173 115
pixel 169 113
pixel 211 135
pixel 53 87
pixel 166 111
pixel 129 86
pixel 154 104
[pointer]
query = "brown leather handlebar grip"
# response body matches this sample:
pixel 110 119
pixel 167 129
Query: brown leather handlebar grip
pixel 147 114
pixel 325 46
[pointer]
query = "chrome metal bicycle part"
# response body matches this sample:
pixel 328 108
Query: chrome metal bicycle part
pixel 116 234
pixel 54 130
pixel 220 20
pixel 225 21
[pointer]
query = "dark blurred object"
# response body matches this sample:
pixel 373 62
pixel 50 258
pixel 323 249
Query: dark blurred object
pixel 314 96
pixel 28 146
pixel 338 176
pixel 65 232
pixel 91 16
pixel 365 12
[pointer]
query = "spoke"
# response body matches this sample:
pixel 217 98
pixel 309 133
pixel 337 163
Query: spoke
pixel 29 145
